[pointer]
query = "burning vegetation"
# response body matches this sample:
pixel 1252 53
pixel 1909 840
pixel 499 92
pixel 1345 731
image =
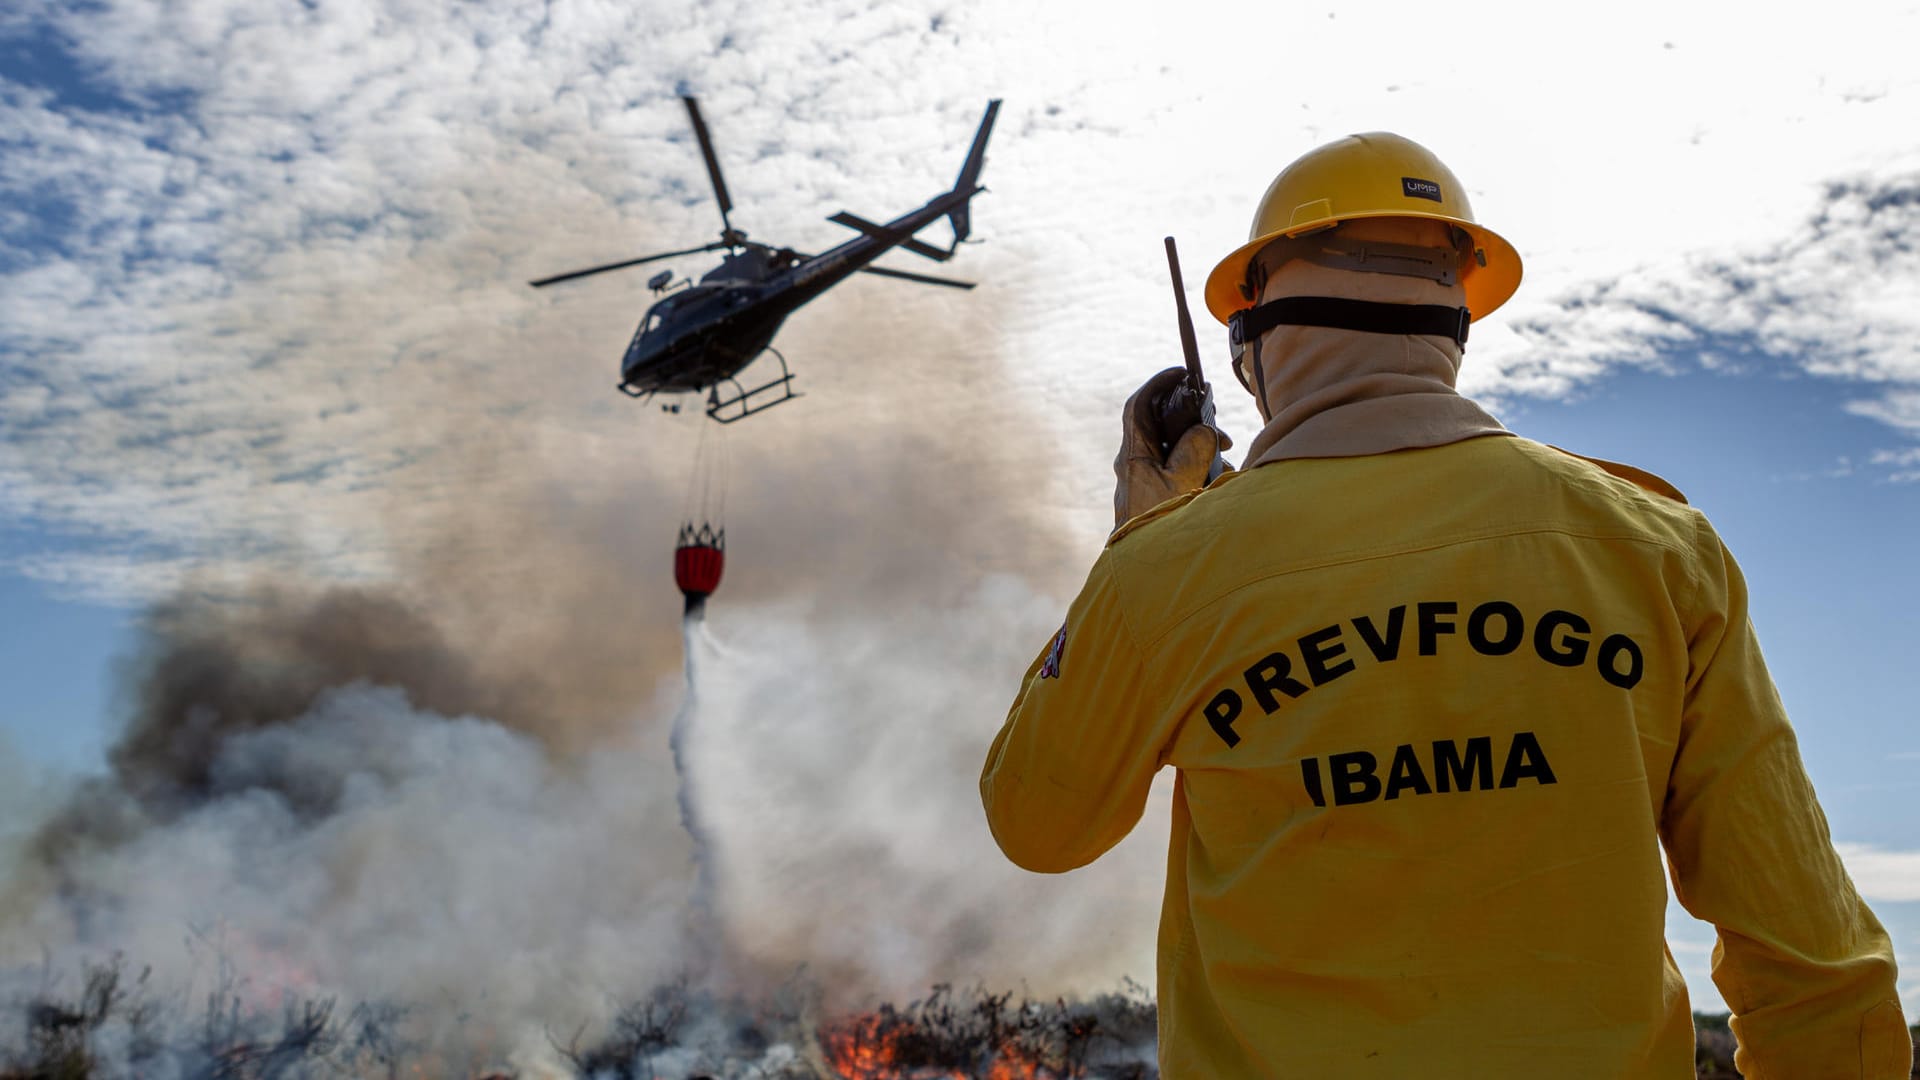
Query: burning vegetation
pixel 113 1025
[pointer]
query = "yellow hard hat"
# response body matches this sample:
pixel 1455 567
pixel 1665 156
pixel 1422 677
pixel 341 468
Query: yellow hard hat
pixel 1367 176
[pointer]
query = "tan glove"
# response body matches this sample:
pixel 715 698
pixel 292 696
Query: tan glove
pixel 1144 480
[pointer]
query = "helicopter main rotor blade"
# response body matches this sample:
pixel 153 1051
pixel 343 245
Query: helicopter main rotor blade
pixel 713 163
pixel 557 278
pixel 924 279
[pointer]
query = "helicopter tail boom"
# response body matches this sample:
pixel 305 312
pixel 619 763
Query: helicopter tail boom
pixel 969 182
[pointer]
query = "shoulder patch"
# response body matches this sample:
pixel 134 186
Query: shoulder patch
pixel 1050 669
pixel 1640 477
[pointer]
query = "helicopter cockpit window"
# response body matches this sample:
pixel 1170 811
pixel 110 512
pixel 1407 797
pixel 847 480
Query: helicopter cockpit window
pixel 662 311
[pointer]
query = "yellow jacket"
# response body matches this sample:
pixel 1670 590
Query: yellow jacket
pixel 1433 715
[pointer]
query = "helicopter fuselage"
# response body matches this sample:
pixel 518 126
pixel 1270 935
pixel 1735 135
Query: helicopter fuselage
pixel 707 333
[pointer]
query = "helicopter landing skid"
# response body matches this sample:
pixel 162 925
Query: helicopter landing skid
pixel 744 399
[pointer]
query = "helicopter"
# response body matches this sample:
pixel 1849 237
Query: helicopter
pixel 701 337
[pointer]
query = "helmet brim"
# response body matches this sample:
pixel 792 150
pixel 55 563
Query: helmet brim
pixel 1487 286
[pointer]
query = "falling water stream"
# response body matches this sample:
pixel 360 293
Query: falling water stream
pixel 702 917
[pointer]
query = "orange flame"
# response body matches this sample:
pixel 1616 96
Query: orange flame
pixel 880 1046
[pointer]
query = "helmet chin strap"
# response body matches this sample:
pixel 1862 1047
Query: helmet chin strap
pixel 1340 313
pixel 1246 328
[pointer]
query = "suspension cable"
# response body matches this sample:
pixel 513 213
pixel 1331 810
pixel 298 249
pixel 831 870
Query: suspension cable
pixel 706 497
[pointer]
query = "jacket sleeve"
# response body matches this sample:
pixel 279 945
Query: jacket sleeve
pixel 1805 966
pixel 1067 776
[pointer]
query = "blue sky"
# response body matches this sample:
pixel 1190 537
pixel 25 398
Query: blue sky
pixel 263 319
pixel 56 661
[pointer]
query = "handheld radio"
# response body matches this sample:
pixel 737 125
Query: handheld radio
pixel 1190 401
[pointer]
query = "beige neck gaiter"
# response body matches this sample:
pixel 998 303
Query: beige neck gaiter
pixel 1347 393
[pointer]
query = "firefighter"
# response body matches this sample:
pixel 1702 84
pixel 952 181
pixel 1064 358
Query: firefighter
pixel 1437 697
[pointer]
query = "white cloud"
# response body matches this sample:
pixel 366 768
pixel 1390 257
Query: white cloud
pixel 1903 466
pixel 1838 299
pixel 289 282
pixel 1882 874
pixel 1899 408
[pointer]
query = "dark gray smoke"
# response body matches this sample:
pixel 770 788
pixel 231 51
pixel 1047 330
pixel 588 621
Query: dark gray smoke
pixel 209 672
